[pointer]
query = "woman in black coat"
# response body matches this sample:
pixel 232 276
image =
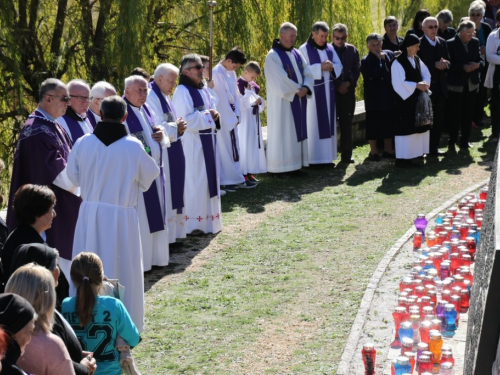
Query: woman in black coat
pixel 416 29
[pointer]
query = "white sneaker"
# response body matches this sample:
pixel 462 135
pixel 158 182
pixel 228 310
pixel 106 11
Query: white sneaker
pixel 222 193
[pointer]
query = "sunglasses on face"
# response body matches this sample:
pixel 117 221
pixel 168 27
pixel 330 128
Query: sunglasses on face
pixel 62 97
pixel 432 27
pixel 340 38
pixel 197 67
pixel 475 14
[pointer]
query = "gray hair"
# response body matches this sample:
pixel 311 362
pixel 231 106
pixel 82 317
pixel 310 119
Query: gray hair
pixel 465 25
pixel 113 108
pixel 100 88
pixel 188 59
pixel 134 79
pixel 164 69
pixel 340 28
pixel 477 6
pixel 374 36
pixel 285 27
pixel 445 16
pixel 321 26
pixel 77 83
pixel 429 19
pixel 55 261
pixel 50 84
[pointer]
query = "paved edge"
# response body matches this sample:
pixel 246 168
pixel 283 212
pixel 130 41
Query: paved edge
pixel 357 327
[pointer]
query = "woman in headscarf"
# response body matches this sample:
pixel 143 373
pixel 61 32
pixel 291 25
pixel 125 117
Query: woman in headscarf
pixel 48 257
pixel 17 317
pixel 410 76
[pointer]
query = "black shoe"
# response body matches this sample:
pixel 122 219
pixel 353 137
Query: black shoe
pixel 400 163
pixel 466 145
pixel 252 178
pixel 375 157
pixel 437 153
pixel 247 184
pixel 347 161
pixel 388 155
pixel 451 151
pixel 228 188
pixel 176 245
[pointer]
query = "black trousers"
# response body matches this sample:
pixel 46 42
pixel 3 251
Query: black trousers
pixel 495 103
pixel 439 109
pixel 460 110
pixel 346 104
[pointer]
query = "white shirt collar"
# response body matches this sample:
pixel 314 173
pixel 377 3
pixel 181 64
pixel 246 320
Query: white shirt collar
pixel 432 42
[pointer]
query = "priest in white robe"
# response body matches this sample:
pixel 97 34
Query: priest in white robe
pixel 289 82
pixel 112 169
pixel 174 163
pixel 98 93
pixel 75 121
pixel 325 65
pixel 152 207
pixel 228 106
pixel 409 77
pixel 195 105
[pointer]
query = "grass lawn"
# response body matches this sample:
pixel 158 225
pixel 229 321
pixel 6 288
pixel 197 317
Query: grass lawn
pixel 277 290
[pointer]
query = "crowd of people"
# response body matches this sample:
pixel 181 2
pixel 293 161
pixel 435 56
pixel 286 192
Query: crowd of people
pixel 103 186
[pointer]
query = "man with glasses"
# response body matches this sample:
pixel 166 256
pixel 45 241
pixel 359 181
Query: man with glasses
pixel 434 54
pixel 98 93
pixel 193 103
pixel 75 120
pixel 41 156
pixel 345 85
pixel 174 164
pixel 152 207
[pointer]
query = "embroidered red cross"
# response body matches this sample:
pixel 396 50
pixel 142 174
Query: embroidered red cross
pixel 199 218
pixel 186 217
pixel 217 216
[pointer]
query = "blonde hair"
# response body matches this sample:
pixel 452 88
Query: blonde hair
pixel 36 284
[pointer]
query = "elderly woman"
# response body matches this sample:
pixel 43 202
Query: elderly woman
pixel 492 80
pixel 46 353
pixel 34 209
pixel 410 76
pixel 392 42
pixel 445 18
pixel 17 317
pixel 48 257
pixel 375 68
pixel 463 80
pixel 483 30
pixel 416 29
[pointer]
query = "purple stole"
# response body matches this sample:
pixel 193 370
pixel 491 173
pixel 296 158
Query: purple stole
pixel 242 83
pixel 74 128
pixel 232 134
pixel 152 203
pixel 326 122
pixel 90 116
pixel 206 144
pixel 176 160
pixel 299 105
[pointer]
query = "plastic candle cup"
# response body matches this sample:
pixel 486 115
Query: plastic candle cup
pixel 369 354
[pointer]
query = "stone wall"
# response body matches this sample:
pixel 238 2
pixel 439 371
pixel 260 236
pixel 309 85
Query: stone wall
pixel 484 313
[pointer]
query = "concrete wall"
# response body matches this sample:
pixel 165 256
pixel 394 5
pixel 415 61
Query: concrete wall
pixel 484 313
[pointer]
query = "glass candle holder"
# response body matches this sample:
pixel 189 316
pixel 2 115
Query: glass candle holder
pixel 400 315
pixel 483 194
pixel 402 365
pixel 445 295
pixel 417 240
pixel 425 328
pixel 450 315
pixel 369 355
pixel 424 364
pixel 464 300
pixel 455 300
pixel 435 344
pixel 447 356
pixel 440 217
pixel 405 330
pixel 446 369
pixel 406 345
pixel 431 240
pixel 421 223
pixel 412 356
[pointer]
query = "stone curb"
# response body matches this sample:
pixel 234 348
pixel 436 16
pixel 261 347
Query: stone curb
pixel 357 327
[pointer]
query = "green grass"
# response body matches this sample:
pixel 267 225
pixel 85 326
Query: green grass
pixel 281 298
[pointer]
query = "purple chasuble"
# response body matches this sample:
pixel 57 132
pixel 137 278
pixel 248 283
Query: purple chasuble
pixel 91 117
pixel 74 128
pixel 242 85
pixel 206 143
pixel 176 159
pixel 299 105
pixel 152 202
pixel 326 121
pixel 41 155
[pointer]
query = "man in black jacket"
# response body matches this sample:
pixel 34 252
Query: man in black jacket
pixel 463 80
pixel 434 53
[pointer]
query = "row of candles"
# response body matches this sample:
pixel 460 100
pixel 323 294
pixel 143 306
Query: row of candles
pixel 436 290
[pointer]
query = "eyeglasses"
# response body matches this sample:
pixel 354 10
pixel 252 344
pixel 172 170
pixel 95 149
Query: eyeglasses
pixel 197 67
pixel 340 38
pixel 62 97
pixel 476 15
pixel 82 98
pixel 432 27
pixel 92 98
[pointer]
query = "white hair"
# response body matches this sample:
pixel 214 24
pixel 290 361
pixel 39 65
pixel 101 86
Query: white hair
pixel 100 88
pixel 287 26
pixel 477 6
pixel 77 83
pixel 164 69
pixel 429 19
pixel 134 79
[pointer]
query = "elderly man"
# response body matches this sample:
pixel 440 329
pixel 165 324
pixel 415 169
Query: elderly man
pixel 152 207
pixel 193 103
pixel 165 77
pixel 345 85
pixel 112 167
pixel 434 54
pixel 321 119
pixel 98 93
pixel 40 158
pixel 289 82
pixel 463 79
pixel 75 120
pixel 392 42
